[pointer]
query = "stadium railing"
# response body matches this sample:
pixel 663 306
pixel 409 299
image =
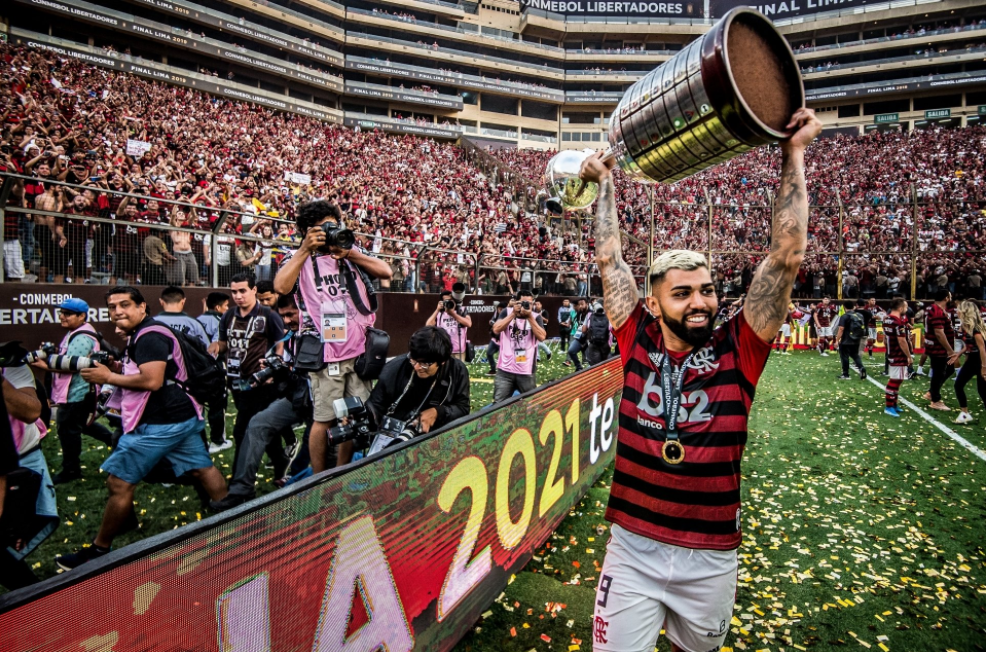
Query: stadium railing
pixel 905 236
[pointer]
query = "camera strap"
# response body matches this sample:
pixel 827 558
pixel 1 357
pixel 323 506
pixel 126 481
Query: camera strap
pixel 350 278
pixel 417 410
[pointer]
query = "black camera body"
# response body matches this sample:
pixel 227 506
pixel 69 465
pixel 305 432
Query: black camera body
pixel 12 354
pixel 274 367
pixel 448 304
pixel 47 348
pixel 102 357
pixel 525 305
pixel 335 236
pixel 358 417
pixel 392 432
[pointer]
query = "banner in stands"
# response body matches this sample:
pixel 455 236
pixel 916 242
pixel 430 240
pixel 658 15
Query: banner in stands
pixel 385 124
pixel 878 88
pixel 400 70
pixel 788 8
pixel 399 95
pixel 402 552
pixel 632 9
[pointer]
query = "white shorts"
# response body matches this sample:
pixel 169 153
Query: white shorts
pixel 786 330
pixel 824 331
pixel 646 585
pixel 899 372
pixel 872 334
pixel 13 260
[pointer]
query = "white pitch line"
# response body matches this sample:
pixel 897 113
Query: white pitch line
pixel 930 419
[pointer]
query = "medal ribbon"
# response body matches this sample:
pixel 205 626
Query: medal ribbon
pixel 671 384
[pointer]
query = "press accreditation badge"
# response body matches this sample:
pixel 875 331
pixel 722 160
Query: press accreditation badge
pixel 334 369
pixel 520 355
pixel 333 322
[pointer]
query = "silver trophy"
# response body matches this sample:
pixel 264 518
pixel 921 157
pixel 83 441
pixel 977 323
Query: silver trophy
pixel 731 90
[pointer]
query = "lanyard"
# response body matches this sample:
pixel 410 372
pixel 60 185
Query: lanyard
pixel 400 398
pixel 671 384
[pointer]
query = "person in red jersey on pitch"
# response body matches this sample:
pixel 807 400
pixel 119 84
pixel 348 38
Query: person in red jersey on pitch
pixel 675 500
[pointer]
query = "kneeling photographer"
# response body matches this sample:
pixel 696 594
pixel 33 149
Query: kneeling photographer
pixel 293 405
pixel 416 393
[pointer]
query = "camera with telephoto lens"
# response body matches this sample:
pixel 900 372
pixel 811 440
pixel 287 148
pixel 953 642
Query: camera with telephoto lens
pixel 392 432
pixel 274 366
pixel 335 236
pixel 357 421
pixel 525 305
pixel 12 354
pixel 448 304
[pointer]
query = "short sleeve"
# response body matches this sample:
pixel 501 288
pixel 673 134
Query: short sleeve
pixel 751 350
pixel 19 377
pixel 627 332
pixel 222 331
pixel 152 347
pixel 275 327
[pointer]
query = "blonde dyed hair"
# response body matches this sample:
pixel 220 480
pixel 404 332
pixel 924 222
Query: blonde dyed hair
pixel 675 259
pixel 972 319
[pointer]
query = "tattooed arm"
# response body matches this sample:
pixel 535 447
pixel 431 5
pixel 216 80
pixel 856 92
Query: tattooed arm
pixel 770 292
pixel 620 294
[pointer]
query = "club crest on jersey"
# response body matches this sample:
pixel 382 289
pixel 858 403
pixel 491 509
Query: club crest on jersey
pixel 703 360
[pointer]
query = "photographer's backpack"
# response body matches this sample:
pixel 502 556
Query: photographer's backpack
pixel 599 330
pixel 206 382
pixel 857 326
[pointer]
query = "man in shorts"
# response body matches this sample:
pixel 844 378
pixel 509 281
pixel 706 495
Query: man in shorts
pixel 896 334
pixel 825 312
pixel 160 421
pixel 675 502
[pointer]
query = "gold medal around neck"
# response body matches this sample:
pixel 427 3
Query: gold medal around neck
pixel 673 452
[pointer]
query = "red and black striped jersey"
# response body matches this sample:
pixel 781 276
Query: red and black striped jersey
pixel 934 318
pixel 825 314
pixel 894 328
pixel 694 504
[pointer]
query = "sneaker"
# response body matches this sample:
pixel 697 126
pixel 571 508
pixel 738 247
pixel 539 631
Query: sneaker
pixel 892 412
pixel 862 374
pixel 785 353
pixel 215 448
pixel 490 373
pixel 76 559
pixel 920 371
pixel 65 476
pixel 567 363
pixel 825 354
pixel 964 417
pixel 843 377
pixel 941 407
pixel 927 396
pixel 229 502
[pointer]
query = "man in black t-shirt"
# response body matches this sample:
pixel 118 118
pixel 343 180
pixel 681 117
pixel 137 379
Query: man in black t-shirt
pixel 160 421
pixel 850 331
pixel 247 332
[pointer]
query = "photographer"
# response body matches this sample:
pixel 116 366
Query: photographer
pixel 451 317
pixel 328 307
pixel 578 344
pixel 598 337
pixel 216 305
pixel 493 348
pixel 565 316
pixel 427 388
pixel 292 406
pixel 160 421
pixel 519 332
pixel 75 398
pixel 23 410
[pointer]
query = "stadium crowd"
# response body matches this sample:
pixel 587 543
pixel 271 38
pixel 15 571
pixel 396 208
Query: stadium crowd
pixel 425 206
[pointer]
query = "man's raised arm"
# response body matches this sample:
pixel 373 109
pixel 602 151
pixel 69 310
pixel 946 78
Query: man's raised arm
pixel 620 295
pixel 770 292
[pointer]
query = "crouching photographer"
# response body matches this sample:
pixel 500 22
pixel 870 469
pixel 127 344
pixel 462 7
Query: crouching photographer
pixel 293 405
pixel 417 393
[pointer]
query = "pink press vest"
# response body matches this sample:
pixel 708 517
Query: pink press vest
pixel 131 402
pixel 61 382
pixel 507 360
pixel 314 298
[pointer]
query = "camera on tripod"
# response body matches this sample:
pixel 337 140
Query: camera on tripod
pixel 274 366
pixel 335 236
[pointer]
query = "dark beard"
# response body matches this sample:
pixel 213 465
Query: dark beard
pixel 691 335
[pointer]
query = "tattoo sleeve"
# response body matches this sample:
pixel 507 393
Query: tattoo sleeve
pixel 620 294
pixel 770 292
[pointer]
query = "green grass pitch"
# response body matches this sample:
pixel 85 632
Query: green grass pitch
pixel 860 531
